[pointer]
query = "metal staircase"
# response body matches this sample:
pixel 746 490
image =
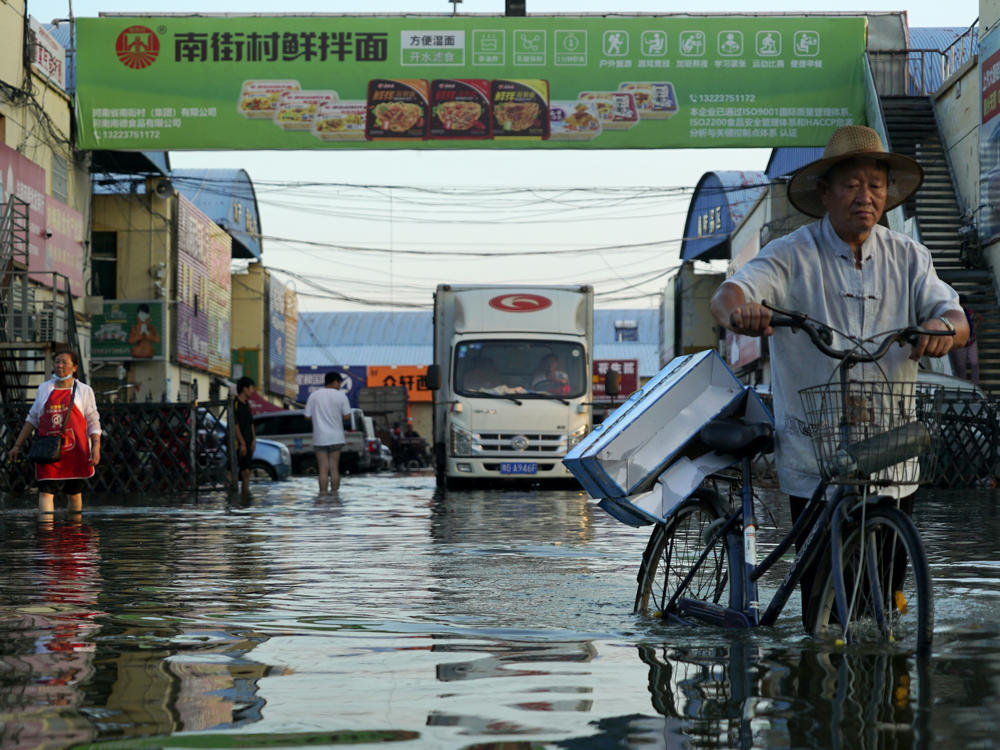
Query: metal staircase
pixel 913 130
pixel 36 310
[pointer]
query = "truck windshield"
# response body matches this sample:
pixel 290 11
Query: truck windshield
pixel 529 368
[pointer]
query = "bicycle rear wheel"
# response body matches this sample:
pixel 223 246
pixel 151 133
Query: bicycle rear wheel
pixel 886 583
pixel 674 551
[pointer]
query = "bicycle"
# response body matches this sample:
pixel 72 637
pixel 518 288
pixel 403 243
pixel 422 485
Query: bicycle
pixel 872 578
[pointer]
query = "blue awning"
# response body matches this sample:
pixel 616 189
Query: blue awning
pixel 720 202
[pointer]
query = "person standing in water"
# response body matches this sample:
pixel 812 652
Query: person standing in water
pixel 78 422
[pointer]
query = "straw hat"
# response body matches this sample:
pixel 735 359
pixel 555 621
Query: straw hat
pixel 848 142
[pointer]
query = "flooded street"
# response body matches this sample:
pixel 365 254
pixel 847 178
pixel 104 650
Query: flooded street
pixel 396 616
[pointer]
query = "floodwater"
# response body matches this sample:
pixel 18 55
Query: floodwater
pixel 395 616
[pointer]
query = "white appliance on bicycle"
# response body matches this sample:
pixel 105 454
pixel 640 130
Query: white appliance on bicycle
pixel 646 457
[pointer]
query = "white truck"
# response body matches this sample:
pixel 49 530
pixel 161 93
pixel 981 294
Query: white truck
pixel 511 379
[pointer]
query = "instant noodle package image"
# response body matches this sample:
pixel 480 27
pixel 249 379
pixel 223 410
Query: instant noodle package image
pixel 340 121
pixel 296 110
pixel 616 109
pixel 520 108
pixel 258 98
pixel 460 108
pixel 574 121
pixel 397 109
pixel 654 100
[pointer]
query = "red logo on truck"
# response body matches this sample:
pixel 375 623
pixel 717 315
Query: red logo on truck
pixel 519 303
pixel 137 47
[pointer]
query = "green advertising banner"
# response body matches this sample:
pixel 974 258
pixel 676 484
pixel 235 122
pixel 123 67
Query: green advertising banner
pixel 128 330
pixel 287 82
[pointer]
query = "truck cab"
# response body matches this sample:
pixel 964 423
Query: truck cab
pixel 512 381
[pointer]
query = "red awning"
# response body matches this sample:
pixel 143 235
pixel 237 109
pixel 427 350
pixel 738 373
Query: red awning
pixel 259 404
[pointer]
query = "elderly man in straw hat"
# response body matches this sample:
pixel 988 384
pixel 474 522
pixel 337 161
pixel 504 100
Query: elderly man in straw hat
pixel 845 270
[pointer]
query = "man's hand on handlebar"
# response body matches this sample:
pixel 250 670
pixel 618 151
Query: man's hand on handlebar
pixel 751 319
pixel 933 346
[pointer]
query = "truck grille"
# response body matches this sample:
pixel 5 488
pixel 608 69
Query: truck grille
pixel 538 442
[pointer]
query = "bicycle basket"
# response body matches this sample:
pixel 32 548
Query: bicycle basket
pixel 874 433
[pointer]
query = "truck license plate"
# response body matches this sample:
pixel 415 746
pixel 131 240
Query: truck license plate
pixel 518 467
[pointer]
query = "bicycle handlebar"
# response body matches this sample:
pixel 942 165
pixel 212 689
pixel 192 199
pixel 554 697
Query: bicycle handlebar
pixel 822 336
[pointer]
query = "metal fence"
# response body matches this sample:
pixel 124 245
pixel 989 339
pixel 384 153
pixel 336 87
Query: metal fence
pixel 148 448
pixel 966 449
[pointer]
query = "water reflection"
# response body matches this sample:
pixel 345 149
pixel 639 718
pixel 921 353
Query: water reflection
pixel 85 627
pixel 739 697
pixel 48 646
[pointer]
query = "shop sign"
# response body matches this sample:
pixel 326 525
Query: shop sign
pixel 989 136
pixel 204 301
pixel 48 57
pixel 411 377
pixel 311 378
pixel 629 371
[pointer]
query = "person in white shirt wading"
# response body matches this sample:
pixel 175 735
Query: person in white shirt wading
pixel 328 408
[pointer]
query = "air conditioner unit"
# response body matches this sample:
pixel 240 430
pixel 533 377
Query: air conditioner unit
pixel 52 323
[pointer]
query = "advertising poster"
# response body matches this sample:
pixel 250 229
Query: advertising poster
pixel 311 378
pixel 287 82
pixel 989 137
pixel 203 291
pixel 61 252
pixel 291 334
pixel 411 377
pixel 276 338
pixel 128 330
pixel 629 369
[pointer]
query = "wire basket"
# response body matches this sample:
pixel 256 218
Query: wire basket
pixel 874 433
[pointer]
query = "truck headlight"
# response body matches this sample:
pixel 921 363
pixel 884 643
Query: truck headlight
pixel 577 435
pixel 461 441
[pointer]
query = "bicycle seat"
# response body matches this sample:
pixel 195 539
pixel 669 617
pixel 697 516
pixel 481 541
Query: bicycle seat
pixel 737 438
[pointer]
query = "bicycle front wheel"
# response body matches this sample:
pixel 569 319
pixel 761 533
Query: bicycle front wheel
pixel 886 584
pixel 673 553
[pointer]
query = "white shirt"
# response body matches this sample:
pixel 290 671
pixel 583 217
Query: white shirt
pixel 83 399
pixel 813 271
pixel 327 408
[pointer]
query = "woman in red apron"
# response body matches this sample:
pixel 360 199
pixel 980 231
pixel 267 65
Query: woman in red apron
pixel 81 439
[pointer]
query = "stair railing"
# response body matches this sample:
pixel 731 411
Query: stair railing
pixel 962 50
pixel 13 251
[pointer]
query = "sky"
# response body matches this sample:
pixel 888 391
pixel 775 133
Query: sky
pixel 414 219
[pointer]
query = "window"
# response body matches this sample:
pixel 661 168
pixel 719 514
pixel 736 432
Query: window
pixel 532 368
pixel 626 330
pixel 104 264
pixel 60 178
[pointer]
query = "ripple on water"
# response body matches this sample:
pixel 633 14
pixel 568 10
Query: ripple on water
pixel 453 620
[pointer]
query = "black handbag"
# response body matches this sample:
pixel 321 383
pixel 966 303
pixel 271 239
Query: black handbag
pixel 47 449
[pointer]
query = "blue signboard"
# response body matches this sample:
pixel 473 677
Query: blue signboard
pixel 309 378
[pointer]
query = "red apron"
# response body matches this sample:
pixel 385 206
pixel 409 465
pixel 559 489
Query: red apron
pixel 75 460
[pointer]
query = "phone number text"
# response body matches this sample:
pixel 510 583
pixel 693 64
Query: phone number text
pixel 722 98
